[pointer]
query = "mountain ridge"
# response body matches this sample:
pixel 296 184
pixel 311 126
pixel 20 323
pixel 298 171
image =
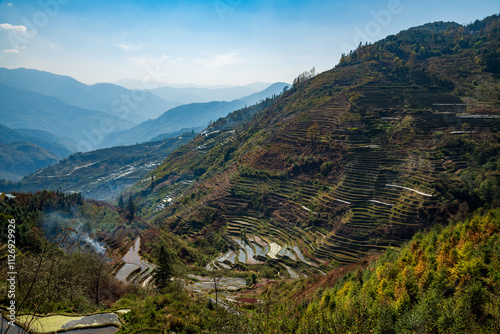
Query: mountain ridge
pixel 43 139
pixel 186 116
pixel 26 109
pixel 21 158
pixel 108 98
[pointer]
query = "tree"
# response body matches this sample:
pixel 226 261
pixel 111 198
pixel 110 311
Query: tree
pixel 313 132
pixel 251 280
pixel 94 265
pixel 303 77
pixel 254 279
pixel 164 272
pixel 216 288
pixel 248 281
pixel 130 209
pixel 120 202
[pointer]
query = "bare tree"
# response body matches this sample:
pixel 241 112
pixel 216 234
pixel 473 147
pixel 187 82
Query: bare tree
pixel 216 288
pixel 36 290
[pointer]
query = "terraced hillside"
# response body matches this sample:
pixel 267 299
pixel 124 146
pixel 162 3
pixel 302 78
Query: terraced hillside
pixel 101 174
pixel 354 160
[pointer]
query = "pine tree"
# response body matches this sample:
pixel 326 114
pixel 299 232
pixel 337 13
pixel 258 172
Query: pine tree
pixel 130 209
pixel 120 202
pixel 164 271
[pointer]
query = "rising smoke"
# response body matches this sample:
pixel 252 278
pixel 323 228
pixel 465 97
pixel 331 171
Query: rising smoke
pixel 54 223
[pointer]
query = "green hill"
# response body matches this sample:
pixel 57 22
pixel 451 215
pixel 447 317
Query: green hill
pixel 41 138
pixel 21 158
pixel 444 281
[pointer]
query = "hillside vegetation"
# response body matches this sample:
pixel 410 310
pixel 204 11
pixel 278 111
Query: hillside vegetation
pixel 401 135
pixel 443 281
pixel 56 270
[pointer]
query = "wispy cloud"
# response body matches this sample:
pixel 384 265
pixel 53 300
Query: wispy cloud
pixel 149 61
pixel 182 69
pixel 219 61
pixel 17 29
pixel 128 48
pixel 16 49
pixel 9 4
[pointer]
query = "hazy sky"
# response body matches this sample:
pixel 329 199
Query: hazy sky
pixel 206 42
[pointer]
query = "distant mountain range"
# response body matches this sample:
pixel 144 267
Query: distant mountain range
pixel 54 116
pixel 188 95
pixel 132 106
pixel 29 110
pixel 23 151
pixel 190 116
pixel 193 93
pixel 19 158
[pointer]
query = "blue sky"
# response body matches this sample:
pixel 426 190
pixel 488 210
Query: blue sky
pixel 215 42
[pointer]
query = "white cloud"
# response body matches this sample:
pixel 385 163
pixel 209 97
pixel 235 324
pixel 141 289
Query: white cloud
pixel 127 48
pixel 17 29
pixel 9 4
pixel 219 60
pixel 16 49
